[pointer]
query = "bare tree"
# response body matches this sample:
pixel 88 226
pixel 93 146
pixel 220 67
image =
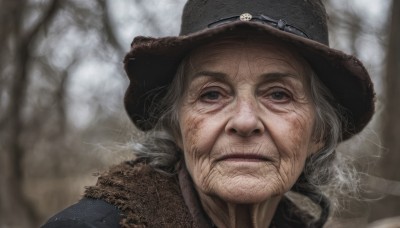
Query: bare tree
pixel 23 39
pixel 46 158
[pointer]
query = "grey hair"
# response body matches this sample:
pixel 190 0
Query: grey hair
pixel 329 174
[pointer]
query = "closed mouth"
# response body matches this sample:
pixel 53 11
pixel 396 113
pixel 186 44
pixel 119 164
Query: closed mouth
pixel 244 158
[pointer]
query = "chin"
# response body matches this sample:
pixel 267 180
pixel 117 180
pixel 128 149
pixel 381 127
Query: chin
pixel 247 191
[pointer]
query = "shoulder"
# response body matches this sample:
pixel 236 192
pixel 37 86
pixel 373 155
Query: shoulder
pixel 87 213
pixel 145 196
pixel 132 180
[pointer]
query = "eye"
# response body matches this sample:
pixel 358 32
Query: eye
pixel 210 95
pixel 280 96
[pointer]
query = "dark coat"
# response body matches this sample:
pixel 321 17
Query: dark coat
pixel 87 213
pixel 133 194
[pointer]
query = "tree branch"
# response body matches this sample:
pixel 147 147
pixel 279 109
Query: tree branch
pixel 108 27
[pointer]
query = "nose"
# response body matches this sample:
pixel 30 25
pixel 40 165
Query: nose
pixel 245 120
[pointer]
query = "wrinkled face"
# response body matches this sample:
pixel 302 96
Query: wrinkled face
pixel 246 120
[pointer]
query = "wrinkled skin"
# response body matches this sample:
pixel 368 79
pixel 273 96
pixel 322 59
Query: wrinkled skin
pixel 246 121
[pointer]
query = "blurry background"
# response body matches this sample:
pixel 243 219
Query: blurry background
pixel 62 83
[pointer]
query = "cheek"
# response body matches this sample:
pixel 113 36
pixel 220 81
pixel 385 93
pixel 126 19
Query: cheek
pixel 192 143
pixel 190 135
pixel 199 132
pixel 298 127
pixel 293 138
pixel 199 135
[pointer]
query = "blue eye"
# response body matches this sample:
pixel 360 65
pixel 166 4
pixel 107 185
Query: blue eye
pixel 211 95
pixel 279 95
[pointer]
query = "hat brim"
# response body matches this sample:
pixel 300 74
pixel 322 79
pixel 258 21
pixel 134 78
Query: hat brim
pixel 152 63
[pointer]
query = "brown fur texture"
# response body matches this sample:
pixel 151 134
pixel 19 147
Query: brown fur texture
pixel 145 197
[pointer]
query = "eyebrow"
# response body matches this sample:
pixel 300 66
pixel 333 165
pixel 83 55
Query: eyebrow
pixel 214 74
pixel 273 76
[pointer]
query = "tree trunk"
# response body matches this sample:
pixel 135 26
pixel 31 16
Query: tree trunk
pixel 16 208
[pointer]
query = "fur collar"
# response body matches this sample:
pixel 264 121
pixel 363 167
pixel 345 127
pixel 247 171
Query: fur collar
pixel 147 198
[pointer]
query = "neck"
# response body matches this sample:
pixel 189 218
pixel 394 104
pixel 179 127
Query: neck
pixel 225 214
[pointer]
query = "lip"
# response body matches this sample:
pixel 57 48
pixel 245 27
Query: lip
pixel 244 158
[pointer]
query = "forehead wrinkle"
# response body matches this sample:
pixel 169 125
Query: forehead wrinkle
pixel 192 69
pixel 293 65
pixel 214 52
pixel 210 66
pixel 286 54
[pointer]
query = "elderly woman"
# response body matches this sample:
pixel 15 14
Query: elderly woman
pixel 246 105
